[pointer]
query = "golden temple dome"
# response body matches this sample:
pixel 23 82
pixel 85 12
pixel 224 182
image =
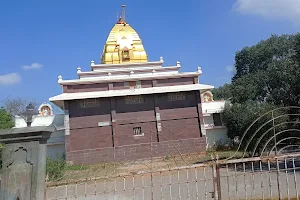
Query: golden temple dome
pixel 123 44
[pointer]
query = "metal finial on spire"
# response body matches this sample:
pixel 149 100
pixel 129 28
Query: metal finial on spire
pixel 123 13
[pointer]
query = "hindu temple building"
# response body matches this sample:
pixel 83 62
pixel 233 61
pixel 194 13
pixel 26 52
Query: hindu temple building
pixel 128 107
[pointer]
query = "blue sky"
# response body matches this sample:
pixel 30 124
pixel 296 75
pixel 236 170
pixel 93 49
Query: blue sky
pixel 40 40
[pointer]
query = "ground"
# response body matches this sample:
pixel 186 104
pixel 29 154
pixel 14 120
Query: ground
pixel 76 173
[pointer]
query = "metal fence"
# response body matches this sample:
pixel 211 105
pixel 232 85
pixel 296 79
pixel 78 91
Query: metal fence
pixel 264 171
pixel 260 178
pixel 177 183
pixel 251 178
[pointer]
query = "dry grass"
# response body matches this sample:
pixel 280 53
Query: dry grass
pixel 106 170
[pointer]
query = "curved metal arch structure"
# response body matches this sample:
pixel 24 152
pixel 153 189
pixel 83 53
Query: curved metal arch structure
pixel 279 142
pixel 272 138
pixel 251 136
pixel 288 146
pixel 271 150
pixel 262 136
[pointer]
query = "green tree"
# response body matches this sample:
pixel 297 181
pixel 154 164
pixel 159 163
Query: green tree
pixel 263 55
pixel 222 93
pixel 268 72
pixel 267 76
pixel 238 117
pixel 251 120
pixel 6 120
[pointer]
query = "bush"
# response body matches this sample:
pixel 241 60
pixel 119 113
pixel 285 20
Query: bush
pixel 222 146
pixel 55 169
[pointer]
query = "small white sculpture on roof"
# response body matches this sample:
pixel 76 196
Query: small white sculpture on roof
pixel 45 109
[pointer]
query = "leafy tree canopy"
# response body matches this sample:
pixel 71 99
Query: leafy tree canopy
pixel 222 93
pixel 264 55
pixel 267 77
pixel 266 72
pixel 6 120
pixel 238 117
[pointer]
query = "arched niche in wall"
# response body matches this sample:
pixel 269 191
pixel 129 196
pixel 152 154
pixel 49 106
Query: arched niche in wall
pixel 45 109
pixel 207 97
pixel 125 54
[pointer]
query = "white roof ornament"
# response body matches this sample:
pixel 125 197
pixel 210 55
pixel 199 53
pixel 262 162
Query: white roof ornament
pixel 109 74
pixel 178 64
pixel 199 70
pixel 78 69
pixel 161 59
pixel 92 63
pixel 131 72
pixel 45 109
pixel 153 71
pixel 60 78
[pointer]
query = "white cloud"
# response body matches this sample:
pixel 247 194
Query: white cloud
pixel 230 68
pixel 33 66
pixel 10 79
pixel 276 9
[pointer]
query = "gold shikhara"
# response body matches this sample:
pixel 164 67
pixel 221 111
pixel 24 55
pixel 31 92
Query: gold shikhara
pixel 123 44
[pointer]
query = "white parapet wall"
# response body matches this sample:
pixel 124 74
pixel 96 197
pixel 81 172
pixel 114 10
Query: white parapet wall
pixel 216 131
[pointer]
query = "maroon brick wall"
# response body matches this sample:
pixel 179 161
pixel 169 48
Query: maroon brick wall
pixel 121 85
pixel 177 109
pixel 87 121
pixel 122 107
pixel 89 138
pixel 89 117
pixel 135 117
pixel 124 134
pixel 138 151
pixel 174 81
pixel 85 87
pixel 134 113
pixel 180 129
pixel 76 111
pixel 147 84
